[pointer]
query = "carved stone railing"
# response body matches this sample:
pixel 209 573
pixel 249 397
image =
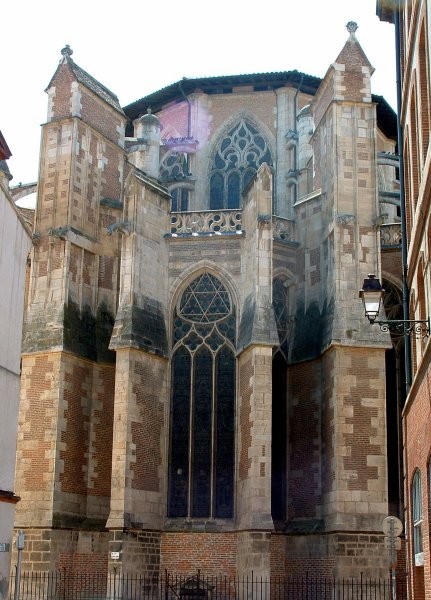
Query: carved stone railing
pixel 223 222
pixel 206 222
pixel 283 229
pixel 390 235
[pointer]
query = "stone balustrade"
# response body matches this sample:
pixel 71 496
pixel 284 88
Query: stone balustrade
pixel 207 222
pixel 223 222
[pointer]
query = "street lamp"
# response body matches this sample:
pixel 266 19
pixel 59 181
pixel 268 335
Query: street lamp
pixel 372 295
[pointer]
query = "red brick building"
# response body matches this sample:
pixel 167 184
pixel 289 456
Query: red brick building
pixel 412 38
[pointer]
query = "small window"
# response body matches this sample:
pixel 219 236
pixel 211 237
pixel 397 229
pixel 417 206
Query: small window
pixel 417 519
pixel 180 199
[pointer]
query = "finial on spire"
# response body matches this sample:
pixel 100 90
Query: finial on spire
pixel 351 26
pixel 67 50
pixel 148 111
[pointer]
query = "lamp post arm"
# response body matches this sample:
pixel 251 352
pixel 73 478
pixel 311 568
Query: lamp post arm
pixel 405 327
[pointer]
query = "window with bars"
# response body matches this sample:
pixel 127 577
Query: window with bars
pixel 201 465
pixel 238 156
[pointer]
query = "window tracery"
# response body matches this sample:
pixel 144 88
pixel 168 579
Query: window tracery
pixel 240 153
pixel 174 167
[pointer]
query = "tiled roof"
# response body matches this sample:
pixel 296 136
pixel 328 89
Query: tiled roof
pixel 221 85
pixel 308 84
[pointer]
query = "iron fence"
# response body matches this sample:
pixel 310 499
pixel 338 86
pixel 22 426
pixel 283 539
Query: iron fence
pixel 64 585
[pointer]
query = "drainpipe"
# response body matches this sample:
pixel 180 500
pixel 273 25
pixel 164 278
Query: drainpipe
pixel 189 120
pixel 405 289
pixel 295 116
pixel 189 108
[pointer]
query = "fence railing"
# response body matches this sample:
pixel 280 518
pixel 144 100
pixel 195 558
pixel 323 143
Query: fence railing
pixel 81 586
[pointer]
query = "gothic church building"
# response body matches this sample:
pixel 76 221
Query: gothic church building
pixel 200 388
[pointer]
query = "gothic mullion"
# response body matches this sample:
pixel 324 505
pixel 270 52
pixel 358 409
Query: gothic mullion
pixel 213 424
pixel 191 432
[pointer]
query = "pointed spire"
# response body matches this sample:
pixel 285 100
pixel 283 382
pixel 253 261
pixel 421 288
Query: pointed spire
pixel 352 55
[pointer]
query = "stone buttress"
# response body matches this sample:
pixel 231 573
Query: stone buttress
pixel 337 484
pixel 67 391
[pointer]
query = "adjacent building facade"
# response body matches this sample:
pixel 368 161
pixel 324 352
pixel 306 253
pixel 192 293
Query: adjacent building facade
pixel 200 389
pixel 15 244
pixel 412 36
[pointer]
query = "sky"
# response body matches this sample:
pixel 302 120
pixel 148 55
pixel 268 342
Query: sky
pixel 139 47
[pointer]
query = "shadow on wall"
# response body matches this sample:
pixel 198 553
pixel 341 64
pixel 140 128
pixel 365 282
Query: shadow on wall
pixel 312 330
pixel 88 335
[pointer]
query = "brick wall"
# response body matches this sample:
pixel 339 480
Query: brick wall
pixel 246 373
pixel 355 442
pixel 417 443
pixel 304 437
pixel 70 551
pixel 213 553
pixel 146 431
pixel 37 438
pixel 139 553
pixel 330 555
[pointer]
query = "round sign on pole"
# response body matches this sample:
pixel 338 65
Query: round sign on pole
pixel 392 525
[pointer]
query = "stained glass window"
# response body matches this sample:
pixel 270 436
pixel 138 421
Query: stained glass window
pixel 174 167
pixel 201 466
pixel 180 199
pixel 239 155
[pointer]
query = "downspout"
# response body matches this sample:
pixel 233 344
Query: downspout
pixel 189 120
pixel 189 109
pixel 295 116
pixel 400 135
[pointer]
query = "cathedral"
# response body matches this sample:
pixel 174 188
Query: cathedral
pixel 200 389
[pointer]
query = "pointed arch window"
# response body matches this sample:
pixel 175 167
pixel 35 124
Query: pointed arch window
pixel 173 168
pixel 201 461
pixel 238 156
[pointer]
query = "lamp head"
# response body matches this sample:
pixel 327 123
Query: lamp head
pixel 371 294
